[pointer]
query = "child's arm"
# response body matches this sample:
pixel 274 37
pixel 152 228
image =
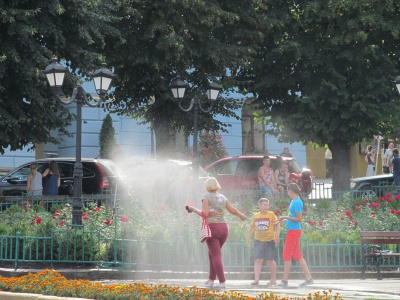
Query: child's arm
pixel 277 233
pixel 250 233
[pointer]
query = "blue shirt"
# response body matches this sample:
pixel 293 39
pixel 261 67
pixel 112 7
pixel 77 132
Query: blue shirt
pixel 296 206
pixel 396 166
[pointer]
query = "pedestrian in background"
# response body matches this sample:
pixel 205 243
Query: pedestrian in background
pixel 52 180
pixel 34 181
pixel 286 152
pixel 395 164
pixel 266 238
pixel 370 160
pixel 388 157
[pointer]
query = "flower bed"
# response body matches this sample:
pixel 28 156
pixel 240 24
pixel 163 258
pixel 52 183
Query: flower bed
pixel 50 282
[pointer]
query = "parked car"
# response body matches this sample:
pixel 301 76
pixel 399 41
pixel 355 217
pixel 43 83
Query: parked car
pixel 98 174
pixel 241 172
pixel 372 185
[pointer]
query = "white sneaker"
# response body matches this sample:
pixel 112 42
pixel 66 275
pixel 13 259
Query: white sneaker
pixel 209 283
pixel 219 286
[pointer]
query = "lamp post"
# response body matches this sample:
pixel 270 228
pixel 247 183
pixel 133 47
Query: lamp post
pixel 178 88
pixel 55 74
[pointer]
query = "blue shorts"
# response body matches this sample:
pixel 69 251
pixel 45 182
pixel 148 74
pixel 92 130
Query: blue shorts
pixel 266 190
pixel 264 250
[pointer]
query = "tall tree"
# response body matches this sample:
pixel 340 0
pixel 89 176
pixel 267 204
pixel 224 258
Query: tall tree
pixel 31 31
pixel 325 71
pixel 107 138
pixel 198 40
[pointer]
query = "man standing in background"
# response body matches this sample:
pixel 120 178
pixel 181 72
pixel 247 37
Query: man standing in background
pixel 286 152
pixel 388 156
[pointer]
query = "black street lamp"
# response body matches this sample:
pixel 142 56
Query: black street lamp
pixel 55 74
pixel 178 88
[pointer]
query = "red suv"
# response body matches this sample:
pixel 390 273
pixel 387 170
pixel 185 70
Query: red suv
pixel 241 172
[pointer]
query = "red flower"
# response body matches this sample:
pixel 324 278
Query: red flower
pixel 320 223
pixel 381 199
pixel 397 197
pixel 372 215
pixel 107 221
pixel 312 223
pixel 341 218
pixel 326 217
pixel 392 211
pixel 38 220
pixel 339 211
pixel 357 208
pixel 374 204
pixel 284 207
pixel 61 223
pixel 277 212
pixel 124 219
pixel 388 196
pixel 389 200
pixel 348 213
pixel 83 213
pixel 85 217
pixel 358 203
pixel 54 216
pixel 57 212
pixel 97 208
pixel 398 212
pixel 366 201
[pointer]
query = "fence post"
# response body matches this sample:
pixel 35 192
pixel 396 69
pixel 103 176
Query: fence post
pixel 243 248
pixel 16 250
pixel 139 252
pixel 338 254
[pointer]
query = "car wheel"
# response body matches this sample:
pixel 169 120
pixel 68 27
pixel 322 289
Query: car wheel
pixel 367 193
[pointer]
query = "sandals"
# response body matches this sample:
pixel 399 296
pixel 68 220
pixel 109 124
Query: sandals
pixel 254 283
pixel 271 283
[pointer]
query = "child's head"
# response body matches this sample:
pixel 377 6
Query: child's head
pixel 395 152
pixel 212 185
pixel 263 204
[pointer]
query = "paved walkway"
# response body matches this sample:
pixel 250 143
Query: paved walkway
pixel 348 289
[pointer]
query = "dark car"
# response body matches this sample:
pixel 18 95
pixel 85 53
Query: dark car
pixel 372 185
pixel 241 172
pixel 98 174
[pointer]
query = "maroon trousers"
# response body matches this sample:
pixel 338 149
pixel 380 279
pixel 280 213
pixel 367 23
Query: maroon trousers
pixel 219 233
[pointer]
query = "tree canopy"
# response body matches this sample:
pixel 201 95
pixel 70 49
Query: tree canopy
pixel 196 40
pixel 324 74
pixel 31 32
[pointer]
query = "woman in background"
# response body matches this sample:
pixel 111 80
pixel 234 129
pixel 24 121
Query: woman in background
pixel 34 183
pixel 52 179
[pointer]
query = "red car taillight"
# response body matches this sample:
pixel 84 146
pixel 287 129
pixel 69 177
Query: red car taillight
pixel 104 184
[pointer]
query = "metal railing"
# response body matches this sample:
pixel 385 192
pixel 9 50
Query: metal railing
pixel 181 253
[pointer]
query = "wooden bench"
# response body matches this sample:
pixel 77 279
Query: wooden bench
pixel 371 244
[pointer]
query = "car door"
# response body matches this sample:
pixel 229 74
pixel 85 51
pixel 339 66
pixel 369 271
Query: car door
pixel 225 172
pixel 247 173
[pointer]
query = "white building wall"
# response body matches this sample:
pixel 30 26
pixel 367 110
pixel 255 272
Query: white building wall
pixel 134 139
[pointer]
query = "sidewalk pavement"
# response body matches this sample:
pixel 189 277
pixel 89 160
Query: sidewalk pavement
pixel 347 284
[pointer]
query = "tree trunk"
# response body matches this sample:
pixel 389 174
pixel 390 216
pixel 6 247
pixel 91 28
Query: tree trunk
pixel 340 165
pixel 165 139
